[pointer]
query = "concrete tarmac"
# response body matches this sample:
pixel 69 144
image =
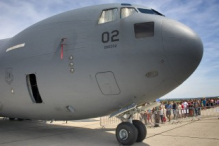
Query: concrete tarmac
pixel 204 132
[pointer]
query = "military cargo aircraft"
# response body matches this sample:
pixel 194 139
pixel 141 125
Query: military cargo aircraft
pixel 95 61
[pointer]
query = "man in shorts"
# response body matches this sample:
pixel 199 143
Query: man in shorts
pixel 185 106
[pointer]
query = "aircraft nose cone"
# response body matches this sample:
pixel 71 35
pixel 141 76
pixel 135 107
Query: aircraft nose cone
pixel 183 49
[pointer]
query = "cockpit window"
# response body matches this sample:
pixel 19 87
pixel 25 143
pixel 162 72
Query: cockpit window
pixel 125 12
pixel 146 11
pixel 108 15
pixel 143 30
pixel 156 12
pixel 149 11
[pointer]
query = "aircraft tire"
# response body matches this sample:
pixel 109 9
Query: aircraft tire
pixel 142 131
pixel 19 119
pixel 126 133
pixel 11 119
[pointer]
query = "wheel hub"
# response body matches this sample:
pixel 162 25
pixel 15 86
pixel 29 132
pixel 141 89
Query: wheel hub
pixel 123 134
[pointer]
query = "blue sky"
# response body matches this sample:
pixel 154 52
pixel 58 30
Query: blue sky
pixel 200 15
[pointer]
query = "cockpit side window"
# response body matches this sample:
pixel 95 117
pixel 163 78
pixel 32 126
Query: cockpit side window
pixel 150 11
pixel 146 11
pixel 125 12
pixel 108 15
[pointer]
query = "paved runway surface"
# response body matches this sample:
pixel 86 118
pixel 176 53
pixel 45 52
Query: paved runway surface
pixel 88 133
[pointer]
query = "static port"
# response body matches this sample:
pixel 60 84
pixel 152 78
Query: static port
pixel 71 63
pixel 72 70
pixel 71 57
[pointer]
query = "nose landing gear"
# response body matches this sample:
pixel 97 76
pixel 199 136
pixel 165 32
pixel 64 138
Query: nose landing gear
pixel 129 131
pixel 142 131
pixel 126 133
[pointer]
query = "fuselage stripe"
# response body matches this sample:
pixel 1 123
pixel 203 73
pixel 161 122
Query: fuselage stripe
pixel 15 47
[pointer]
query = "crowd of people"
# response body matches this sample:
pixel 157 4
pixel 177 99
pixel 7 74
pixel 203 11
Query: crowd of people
pixel 172 110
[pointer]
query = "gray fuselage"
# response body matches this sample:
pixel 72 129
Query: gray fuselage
pixel 103 67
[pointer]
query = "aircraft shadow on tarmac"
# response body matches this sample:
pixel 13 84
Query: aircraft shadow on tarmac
pixel 35 132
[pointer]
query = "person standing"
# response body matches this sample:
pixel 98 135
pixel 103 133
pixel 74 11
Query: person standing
pixel 185 106
pixel 143 114
pixel 212 102
pixel 169 108
pixel 165 116
pixel 149 116
pixel 162 105
pixel 195 105
pixel 218 102
pixel 162 114
pixel 144 117
pixel 174 109
pixel 180 109
pixel 204 103
pixel 166 105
